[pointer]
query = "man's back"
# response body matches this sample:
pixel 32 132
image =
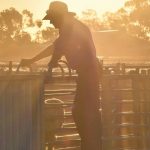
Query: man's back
pixel 75 42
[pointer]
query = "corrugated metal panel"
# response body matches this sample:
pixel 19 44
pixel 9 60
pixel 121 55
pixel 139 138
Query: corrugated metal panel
pixel 20 112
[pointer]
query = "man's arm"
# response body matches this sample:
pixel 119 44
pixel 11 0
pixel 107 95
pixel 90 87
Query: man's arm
pixel 45 53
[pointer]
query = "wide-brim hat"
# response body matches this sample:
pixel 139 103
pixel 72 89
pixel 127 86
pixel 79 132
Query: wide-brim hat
pixel 57 7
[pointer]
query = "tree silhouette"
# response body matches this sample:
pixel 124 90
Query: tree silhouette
pixel 91 19
pixel 117 20
pixel 139 17
pixel 133 17
pixel 27 18
pixel 10 24
pixel 49 34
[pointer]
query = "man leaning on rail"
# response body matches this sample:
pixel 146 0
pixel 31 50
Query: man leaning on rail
pixel 76 44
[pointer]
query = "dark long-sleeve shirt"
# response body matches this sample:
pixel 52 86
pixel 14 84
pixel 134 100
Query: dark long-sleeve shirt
pixel 76 44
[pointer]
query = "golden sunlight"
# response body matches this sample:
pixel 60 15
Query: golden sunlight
pixel 38 7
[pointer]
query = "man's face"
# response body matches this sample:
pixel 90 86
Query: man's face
pixel 56 21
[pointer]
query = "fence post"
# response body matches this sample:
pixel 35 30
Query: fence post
pixel 10 66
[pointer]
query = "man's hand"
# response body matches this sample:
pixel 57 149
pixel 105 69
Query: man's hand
pixel 26 62
pixel 52 65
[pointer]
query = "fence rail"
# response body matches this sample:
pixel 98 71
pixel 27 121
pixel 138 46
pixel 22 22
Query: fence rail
pixel 114 68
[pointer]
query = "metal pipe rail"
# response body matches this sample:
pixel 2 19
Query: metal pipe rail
pixel 126 112
pixel 64 70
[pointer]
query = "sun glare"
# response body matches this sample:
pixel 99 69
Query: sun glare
pixel 39 7
pixel 100 6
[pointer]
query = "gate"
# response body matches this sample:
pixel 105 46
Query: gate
pixel 126 112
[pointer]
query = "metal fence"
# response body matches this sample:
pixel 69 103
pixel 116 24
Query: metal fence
pixel 20 112
pixel 126 112
pixel 60 130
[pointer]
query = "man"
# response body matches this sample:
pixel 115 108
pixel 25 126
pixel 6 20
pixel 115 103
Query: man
pixel 76 44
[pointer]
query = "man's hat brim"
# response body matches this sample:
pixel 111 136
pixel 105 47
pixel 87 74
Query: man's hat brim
pixel 49 16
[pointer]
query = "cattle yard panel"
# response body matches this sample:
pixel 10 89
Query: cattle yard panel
pixel 126 112
pixel 21 101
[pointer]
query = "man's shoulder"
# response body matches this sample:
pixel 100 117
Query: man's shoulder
pixel 80 25
pixel 74 26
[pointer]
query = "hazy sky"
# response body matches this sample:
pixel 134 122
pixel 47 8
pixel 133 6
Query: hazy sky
pixel 38 7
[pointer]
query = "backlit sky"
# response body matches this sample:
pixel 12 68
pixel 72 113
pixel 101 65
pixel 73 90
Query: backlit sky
pixel 38 7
